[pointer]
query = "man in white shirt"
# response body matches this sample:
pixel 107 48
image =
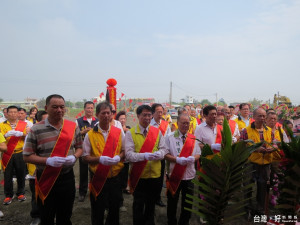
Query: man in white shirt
pixel 183 151
pixel 207 131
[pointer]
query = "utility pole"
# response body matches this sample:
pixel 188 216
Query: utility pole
pixel 170 94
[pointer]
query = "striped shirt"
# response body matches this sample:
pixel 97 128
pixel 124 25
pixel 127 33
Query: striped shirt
pixel 42 139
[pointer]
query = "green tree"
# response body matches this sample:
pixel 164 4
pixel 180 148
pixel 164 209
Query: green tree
pixel 1 99
pixel 69 104
pixel 255 102
pixel 41 103
pixel 205 101
pixel 79 104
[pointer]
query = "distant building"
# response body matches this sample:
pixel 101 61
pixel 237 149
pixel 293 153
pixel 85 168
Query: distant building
pixel 27 103
pixel 189 100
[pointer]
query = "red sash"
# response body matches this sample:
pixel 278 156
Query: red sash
pixel 218 137
pixel 12 143
pixel 232 125
pixel 102 171
pixel 138 167
pixel 179 170
pixel 163 126
pixel 62 146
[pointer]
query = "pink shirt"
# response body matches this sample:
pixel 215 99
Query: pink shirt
pixel 206 133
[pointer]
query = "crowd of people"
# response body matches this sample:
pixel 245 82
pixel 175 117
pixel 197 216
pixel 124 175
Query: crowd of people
pixel 45 146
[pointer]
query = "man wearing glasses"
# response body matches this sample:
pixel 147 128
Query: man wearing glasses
pixel 144 148
pixel 243 119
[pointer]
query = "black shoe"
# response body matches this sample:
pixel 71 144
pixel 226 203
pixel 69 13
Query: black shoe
pixel 160 203
pixel 126 192
pixel 81 198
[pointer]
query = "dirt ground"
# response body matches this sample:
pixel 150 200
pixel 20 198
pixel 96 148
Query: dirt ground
pixel 18 213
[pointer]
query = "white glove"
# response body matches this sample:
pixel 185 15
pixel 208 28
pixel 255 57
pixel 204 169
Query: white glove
pixel 9 133
pixel 18 134
pixel 55 161
pixel 234 139
pixel 182 161
pixel 191 160
pixel 157 155
pixel 70 160
pixel 107 161
pixel 149 156
pixel 117 158
pixel 216 146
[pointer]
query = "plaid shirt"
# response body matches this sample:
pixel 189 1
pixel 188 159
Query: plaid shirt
pixel 42 139
pixel 244 134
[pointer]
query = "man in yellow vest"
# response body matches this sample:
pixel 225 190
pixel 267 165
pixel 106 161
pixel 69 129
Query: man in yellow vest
pixel 144 148
pixel 3 148
pixel 193 120
pixel 103 151
pixel 272 122
pixel 243 119
pixel 166 116
pixel 262 158
pixel 14 131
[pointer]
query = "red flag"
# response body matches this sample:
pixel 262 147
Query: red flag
pixel 130 101
pixel 101 94
pixel 122 94
pixel 76 117
pixel 119 99
pixel 134 120
pixel 95 100
pixel 79 114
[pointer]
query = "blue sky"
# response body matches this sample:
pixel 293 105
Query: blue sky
pixel 238 49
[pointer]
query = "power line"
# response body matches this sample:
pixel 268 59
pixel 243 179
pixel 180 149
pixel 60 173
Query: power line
pixel 188 92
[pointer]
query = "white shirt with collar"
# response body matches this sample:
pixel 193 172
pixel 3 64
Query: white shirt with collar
pixel 246 121
pixel 131 155
pixel 174 145
pixel 153 123
pixel 206 134
pixel 87 144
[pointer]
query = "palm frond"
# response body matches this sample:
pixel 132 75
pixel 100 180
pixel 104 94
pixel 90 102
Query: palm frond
pixel 222 179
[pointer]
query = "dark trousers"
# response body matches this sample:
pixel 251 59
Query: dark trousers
pixel 124 176
pixel 109 197
pixel 17 164
pixel 123 180
pixel 261 175
pixel 162 175
pixel 59 202
pixel 83 177
pixel 185 187
pixel 34 213
pixel 145 196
